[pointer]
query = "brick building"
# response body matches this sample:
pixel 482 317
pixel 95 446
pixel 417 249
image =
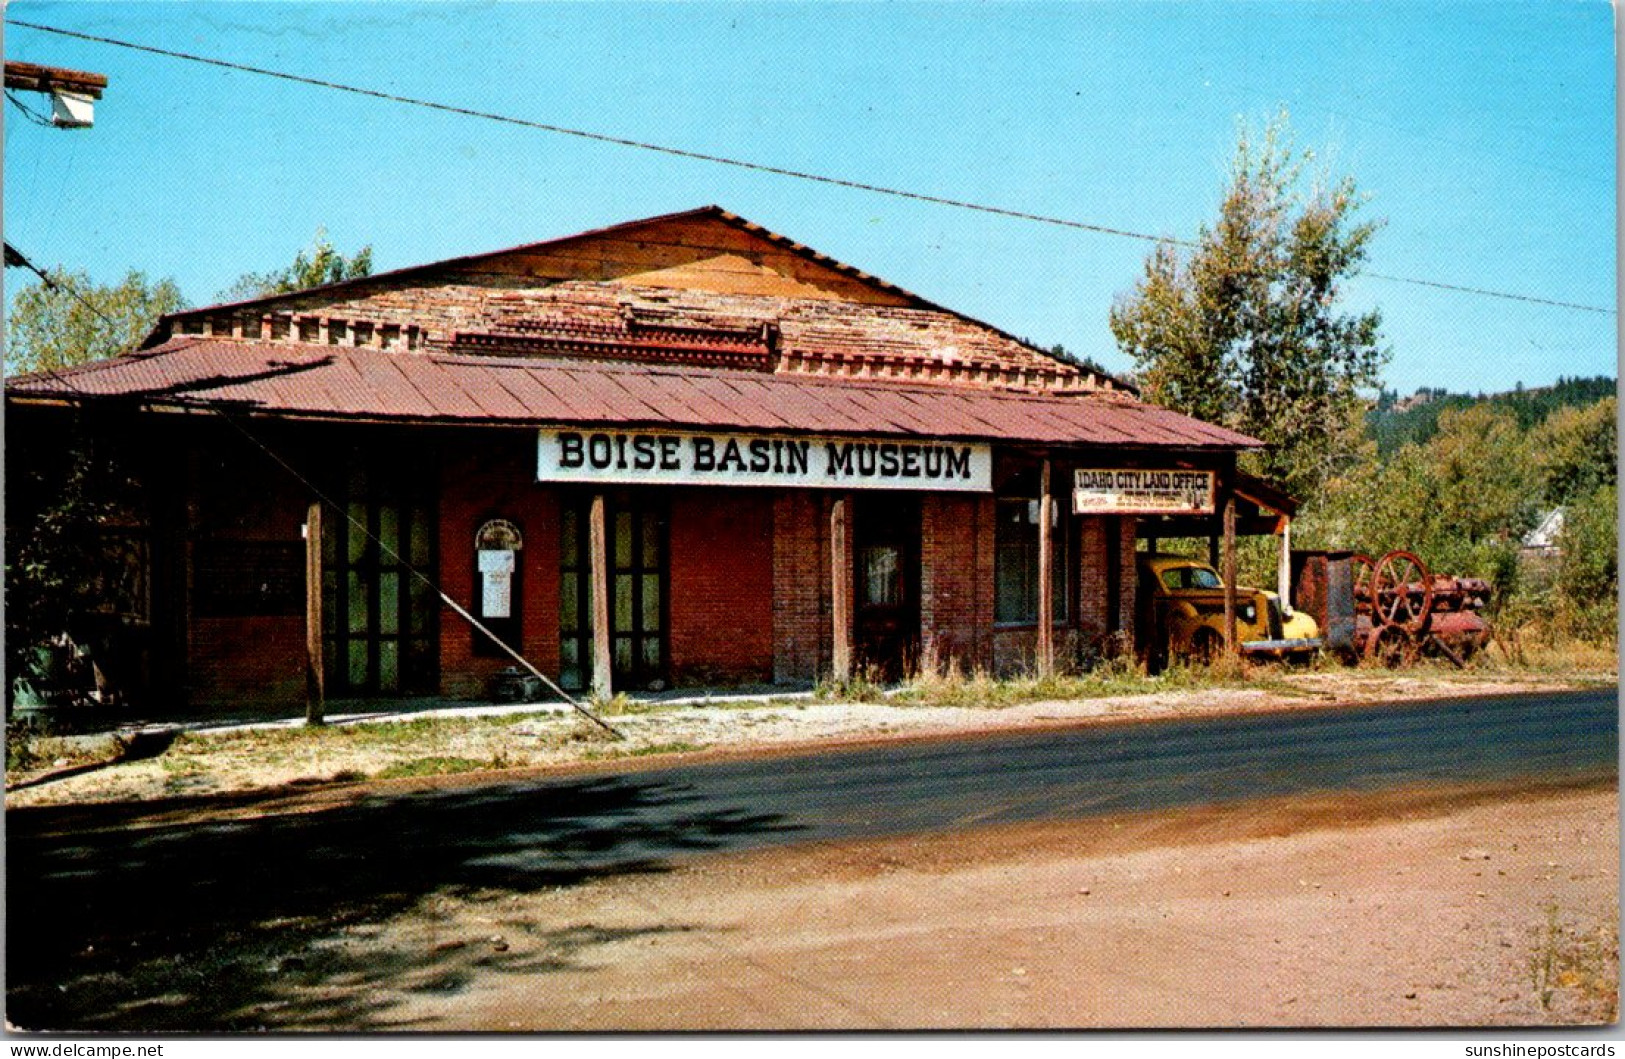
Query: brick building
pixel 679 451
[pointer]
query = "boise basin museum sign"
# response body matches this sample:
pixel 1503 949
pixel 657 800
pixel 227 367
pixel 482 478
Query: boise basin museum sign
pixel 668 458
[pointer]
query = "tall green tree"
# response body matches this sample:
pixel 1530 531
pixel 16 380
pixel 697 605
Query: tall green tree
pixel 1244 328
pixel 72 320
pixel 1577 450
pixel 314 266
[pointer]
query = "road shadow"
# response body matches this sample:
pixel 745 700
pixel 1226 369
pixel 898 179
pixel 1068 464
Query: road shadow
pixel 233 924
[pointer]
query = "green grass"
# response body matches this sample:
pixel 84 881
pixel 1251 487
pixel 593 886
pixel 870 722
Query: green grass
pixel 438 766
pixel 615 753
pixel 951 687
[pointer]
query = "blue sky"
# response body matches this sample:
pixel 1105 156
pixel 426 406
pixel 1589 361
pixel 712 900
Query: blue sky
pixel 1482 132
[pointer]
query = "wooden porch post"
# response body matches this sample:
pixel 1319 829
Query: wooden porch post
pixel 1229 574
pixel 1283 567
pixel 602 681
pixel 1046 587
pixel 840 567
pixel 315 679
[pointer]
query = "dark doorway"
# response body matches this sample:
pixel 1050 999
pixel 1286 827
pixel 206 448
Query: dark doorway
pixel 886 589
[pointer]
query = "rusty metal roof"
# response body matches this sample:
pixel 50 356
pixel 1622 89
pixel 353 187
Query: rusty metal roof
pixel 351 383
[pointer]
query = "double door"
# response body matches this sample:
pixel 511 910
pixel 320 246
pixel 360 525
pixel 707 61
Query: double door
pixel 379 624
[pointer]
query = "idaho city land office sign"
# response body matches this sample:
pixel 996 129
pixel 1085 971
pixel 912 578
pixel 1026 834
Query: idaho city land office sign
pixel 666 458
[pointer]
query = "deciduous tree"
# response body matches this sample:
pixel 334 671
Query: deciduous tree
pixel 72 320
pixel 1244 328
pixel 315 266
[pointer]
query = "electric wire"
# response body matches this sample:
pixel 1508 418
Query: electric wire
pixel 745 164
pixel 33 115
pixel 16 258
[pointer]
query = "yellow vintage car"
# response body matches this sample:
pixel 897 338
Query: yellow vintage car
pixel 1179 613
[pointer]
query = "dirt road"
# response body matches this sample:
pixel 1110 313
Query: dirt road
pixel 1410 909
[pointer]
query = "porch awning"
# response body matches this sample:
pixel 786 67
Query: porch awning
pixel 297 380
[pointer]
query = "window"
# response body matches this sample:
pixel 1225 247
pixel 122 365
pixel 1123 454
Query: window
pixel 882 566
pixel 1015 559
pixel 1188 577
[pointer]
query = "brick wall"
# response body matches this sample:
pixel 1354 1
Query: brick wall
pixel 482 478
pixel 1014 649
pixel 721 587
pixel 1091 620
pixel 801 631
pixel 248 662
pixel 235 496
pixel 956 580
pixel 1129 534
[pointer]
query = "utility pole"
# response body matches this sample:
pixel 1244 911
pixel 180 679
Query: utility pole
pixel 73 92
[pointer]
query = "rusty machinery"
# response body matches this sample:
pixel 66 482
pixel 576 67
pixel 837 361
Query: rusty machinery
pixel 1403 611
pixel 1391 610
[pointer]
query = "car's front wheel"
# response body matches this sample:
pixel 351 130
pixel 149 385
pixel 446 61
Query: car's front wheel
pixel 1206 646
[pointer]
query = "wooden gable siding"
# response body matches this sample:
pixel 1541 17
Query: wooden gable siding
pixel 623 285
pixel 694 253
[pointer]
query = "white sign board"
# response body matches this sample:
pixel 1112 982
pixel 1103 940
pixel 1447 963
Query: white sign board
pixel 666 458
pixel 1138 491
pixel 496 576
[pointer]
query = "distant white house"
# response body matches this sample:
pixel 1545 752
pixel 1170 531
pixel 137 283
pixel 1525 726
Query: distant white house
pixel 1543 539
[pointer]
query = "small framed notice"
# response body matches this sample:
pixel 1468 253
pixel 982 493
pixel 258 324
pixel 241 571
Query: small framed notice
pixel 1138 491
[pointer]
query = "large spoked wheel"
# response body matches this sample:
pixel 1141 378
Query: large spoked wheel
pixel 1401 592
pixel 1362 568
pixel 1390 646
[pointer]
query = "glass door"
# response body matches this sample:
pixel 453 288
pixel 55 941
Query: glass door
pixel 378 620
pixel 635 527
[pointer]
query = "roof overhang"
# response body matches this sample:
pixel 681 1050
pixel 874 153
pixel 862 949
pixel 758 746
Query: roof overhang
pixel 302 381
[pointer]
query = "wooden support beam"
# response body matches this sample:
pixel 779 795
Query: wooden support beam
pixel 315 678
pixel 1046 584
pixel 603 684
pixel 1207 528
pixel 31 77
pixel 1283 567
pixel 840 566
pixel 1230 643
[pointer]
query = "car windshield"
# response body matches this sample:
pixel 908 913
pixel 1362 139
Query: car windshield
pixel 1182 577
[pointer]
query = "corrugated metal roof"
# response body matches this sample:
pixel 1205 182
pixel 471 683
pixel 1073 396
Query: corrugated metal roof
pixel 337 382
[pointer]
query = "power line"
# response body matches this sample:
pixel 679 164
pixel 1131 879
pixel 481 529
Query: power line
pixel 1489 293
pixel 15 259
pixel 29 112
pixel 757 167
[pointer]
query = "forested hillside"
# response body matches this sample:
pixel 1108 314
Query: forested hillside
pixel 1396 420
